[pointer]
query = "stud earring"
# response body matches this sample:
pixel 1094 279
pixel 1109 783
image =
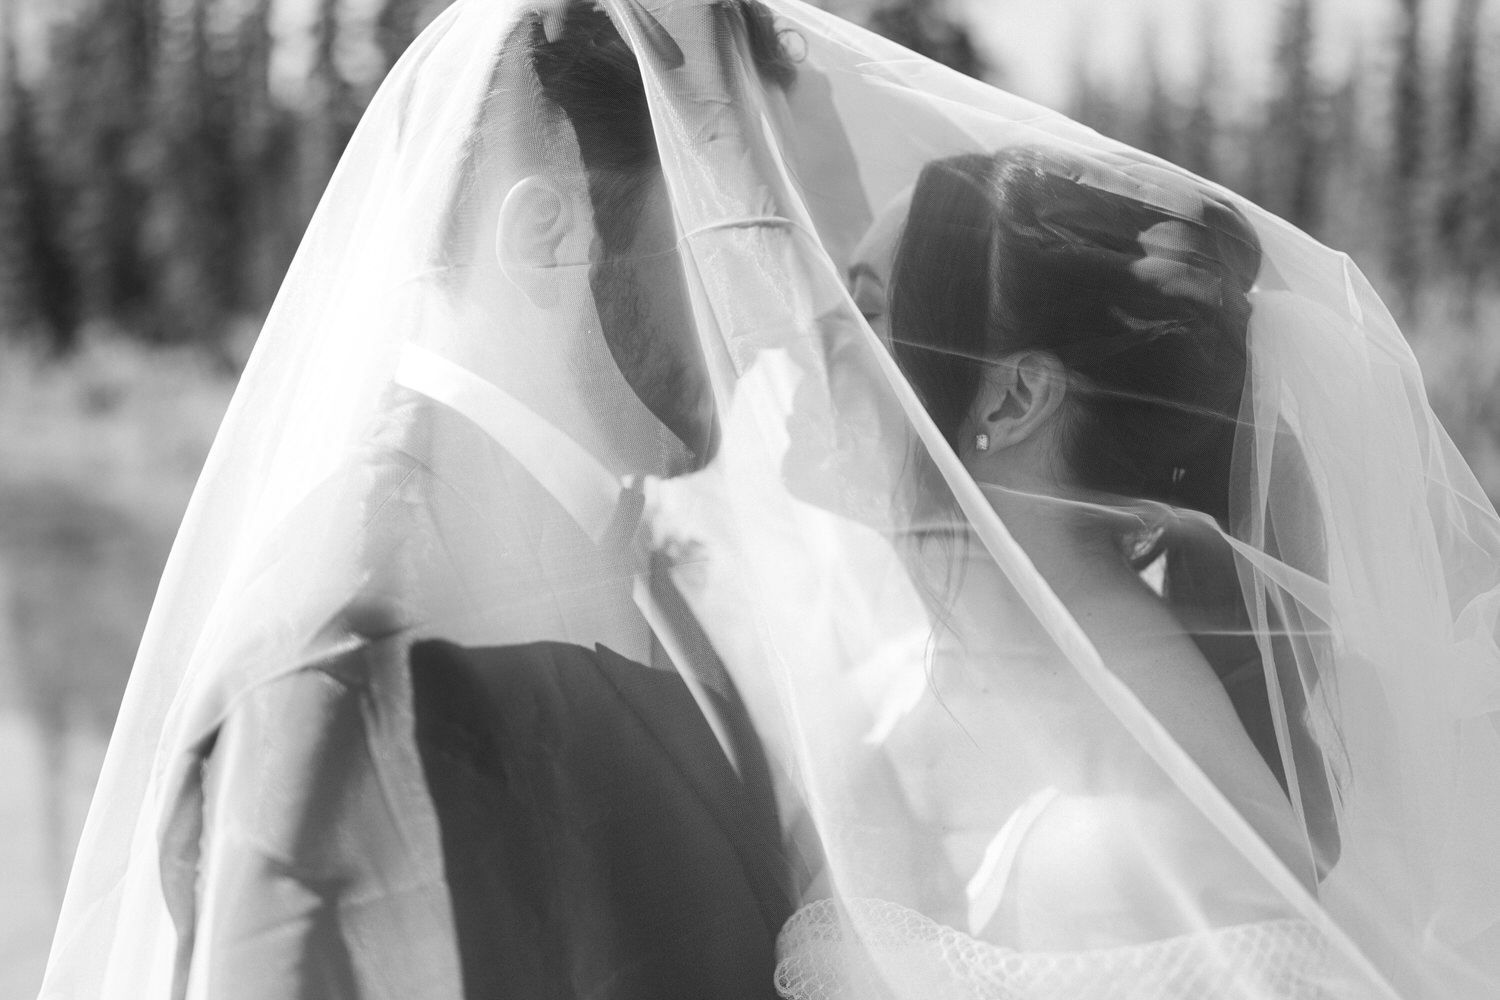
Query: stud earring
pixel 982 442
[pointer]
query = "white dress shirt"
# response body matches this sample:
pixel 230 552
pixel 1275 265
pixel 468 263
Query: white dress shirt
pixel 580 484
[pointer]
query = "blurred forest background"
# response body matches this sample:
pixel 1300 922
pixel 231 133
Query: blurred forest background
pixel 159 160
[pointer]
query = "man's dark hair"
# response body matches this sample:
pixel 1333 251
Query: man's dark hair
pixel 574 67
pixel 591 75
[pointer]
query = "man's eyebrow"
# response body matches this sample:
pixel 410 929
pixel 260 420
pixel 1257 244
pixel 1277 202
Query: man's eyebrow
pixel 860 268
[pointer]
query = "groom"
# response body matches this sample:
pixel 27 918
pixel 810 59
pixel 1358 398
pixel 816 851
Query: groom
pixel 603 822
pixel 609 827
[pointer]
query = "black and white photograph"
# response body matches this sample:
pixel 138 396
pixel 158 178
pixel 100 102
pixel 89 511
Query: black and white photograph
pixel 749 499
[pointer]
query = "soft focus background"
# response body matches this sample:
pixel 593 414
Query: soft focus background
pixel 160 158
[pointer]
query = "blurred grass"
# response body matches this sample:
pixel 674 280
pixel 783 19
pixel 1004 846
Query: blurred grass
pixel 98 455
pixel 1460 359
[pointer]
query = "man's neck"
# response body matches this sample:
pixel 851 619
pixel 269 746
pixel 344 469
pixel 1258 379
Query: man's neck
pixel 577 395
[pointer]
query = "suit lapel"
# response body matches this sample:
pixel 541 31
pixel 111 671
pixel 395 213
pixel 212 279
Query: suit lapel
pixel 442 439
pixel 668 712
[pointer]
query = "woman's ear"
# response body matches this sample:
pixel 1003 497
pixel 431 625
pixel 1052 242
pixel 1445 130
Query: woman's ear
pixel 535 222
pixel 1017 396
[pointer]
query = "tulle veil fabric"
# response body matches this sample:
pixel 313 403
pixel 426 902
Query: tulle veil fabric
pixel 950 858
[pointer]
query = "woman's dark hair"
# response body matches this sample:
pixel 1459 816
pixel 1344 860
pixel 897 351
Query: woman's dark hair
pixel 1145 306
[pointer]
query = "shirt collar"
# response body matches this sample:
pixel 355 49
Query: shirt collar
pixel 575 478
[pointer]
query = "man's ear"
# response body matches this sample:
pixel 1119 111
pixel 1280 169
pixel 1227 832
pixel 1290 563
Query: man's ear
pixel 535 220
pixel 1017 396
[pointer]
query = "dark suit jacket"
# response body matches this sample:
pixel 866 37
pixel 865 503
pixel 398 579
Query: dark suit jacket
pixel 596 841
pixel 559 816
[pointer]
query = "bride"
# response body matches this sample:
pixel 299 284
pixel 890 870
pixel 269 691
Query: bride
pixel 1102 614
pixel 1081 369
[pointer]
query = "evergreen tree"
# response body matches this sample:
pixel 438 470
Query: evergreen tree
pixel 333 108
pixel 1200 133
pixel 927 27
pixel 1295 119
pixel 1091 103
pixel 1456 227
pixel 1347 219
pixel 1158 131
pixel 198 231
pixel 97 114
pixel 1406 126
pixel 264 143
pixel 395 27
pixel 38 291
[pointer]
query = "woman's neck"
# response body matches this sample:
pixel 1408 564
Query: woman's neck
pixel 1074 549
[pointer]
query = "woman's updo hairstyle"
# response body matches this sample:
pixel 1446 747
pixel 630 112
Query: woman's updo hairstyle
pixel 1134 277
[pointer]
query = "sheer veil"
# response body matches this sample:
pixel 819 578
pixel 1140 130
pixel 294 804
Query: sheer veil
pixel 1276 776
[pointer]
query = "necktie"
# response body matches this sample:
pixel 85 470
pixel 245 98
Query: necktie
pixel 685 648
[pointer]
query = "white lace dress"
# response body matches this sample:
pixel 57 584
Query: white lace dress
pixel 862 949
pixel 869 948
